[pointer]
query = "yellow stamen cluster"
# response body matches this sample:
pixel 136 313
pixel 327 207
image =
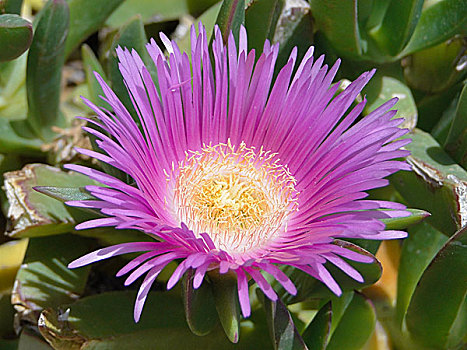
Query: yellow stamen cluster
pixel 239 196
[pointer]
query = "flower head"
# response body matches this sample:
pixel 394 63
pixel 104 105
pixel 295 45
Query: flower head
pixel 236 173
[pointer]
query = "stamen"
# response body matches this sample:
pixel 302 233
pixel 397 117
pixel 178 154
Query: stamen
pixel 240 197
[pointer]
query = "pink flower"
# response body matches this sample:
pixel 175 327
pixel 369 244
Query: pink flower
pixel 238 173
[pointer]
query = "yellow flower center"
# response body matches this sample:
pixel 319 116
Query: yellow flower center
pixel 239 196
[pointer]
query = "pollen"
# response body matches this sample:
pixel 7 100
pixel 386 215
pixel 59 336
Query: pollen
pixel 240 196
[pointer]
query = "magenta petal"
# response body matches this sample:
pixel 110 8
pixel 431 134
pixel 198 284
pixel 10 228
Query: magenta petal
pixel 177 274
pixel 280 276
pixel 143 293
pixel 344 266
pixel 263 284
pixel 108 252
pixel 158 263
pixel 243 296
pixel 199 275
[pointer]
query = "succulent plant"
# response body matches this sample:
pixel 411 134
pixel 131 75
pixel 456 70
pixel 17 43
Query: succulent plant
pixel 412 297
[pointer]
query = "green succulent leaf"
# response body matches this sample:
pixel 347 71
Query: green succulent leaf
pixel 435 69
pixel 316 334
pixel 131 36
pixel 422 244
pixel 15 36
pixel 65 194
pixel 12 142
pixel 13 99
pixel 260 21
pixel 283 332
pixel 91 64
pixel 432 107
pixel 208 18
pixel 438 22
pixel 86 17
pixel 224 288
pixel 377 11
pixel 456 142
pixel 398 25
pixel 294 29
pixel 442 324
pixel 104 321
pixel 416 216
pixel 33 214
pixel 44 280
pixel 29 340
pixel 338 20
pixel 231 16
pixel 355 326
pixel 7 344
pixel 157 11
pixel 11 257
pixel 437 184
pixel 6 321
pixel 11 6
pixel 44 69
pixel 200 308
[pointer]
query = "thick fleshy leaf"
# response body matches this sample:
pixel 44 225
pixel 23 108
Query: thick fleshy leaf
pixel 309 287
pixel 456 142
pixel 224 288
pixel 338 307
pixel 91 64
pixel 382 88
pixel 447 111
pixel 437 68
pixel 86 17
pixel 13 99
pixel 260 21
pixel 9 344
pixel 11 6
pixel 377 12
pixel 282 329
pixel 355 326
pixel 432 107
pixel 442 324
pixel 231 16
pixel 6 321
pixel 338 20
pixel 438 22
pixel 65 194
pixel 105 321
pixel 316 334
pixel 208 18
pixel 33 214
pixel 436 184
pixel 11 257
pixel 44 69
pixel 418 250
pixel 12 141
pixel 294 29
pixel 416 216
pixel 15 36
pixel 131 36
pixel 200 309
pixel 398 25
pixel 29 340
pixel 157 11
pixel 44 279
